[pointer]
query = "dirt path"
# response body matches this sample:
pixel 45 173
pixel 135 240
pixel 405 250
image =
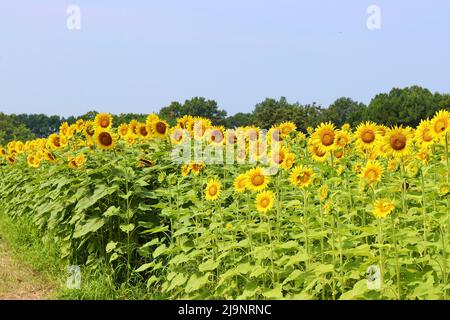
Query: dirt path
pixel 18 281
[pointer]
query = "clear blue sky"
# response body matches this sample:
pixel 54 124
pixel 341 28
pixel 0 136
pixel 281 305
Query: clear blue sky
pixel 139 55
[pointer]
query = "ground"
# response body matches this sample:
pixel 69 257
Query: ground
pixel 18 281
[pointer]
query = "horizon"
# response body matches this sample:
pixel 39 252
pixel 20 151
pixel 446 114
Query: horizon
pixel 140 57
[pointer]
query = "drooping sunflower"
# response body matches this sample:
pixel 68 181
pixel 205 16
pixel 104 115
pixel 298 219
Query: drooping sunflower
pixel 160 129
pixel 398 141
pixel 54 141
pixel 264 201
pixel 301 176
pixel 257 179
pixel 324 136
pixel 79 125
pixel 372 172
pixel 77 162
pixel 185 169
pixel 382 208
pixel 317 154
pixel 240 183
pixel 49 156
pixel 213 190
pixel 424 134
pixel 104 139
pixel 441 123
pixel 366 136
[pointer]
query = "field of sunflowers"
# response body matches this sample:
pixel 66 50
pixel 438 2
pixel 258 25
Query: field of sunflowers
pixel 332 213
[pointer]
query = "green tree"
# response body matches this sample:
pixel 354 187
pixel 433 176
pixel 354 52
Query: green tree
pixel 12 129
pixel 240 119
pixel 345 110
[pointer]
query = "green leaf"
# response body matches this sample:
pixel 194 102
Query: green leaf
pixel 127 228
pixel 111 246
pixel 274 293
pixel 196 282
pixel 158 251
pixel 91 225
pixel 208 265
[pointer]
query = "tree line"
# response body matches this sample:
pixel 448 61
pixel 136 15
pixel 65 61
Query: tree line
pixel 401 106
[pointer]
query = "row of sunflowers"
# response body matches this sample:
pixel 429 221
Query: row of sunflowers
pixel 341 202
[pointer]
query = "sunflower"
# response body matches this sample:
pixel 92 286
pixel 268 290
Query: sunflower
pixel 143 131
pixel 2 152
pixel 317 154
pixel 345 127
pixel 264 201
pixel 342 138
pixel 79 125
pixel 286 128
pixel 216 135
pixel 288 161
pixel 63 128
pixel 366 135
pixel 382 208
pixel 89 129
pixel 133 126
pixel 177 135
pixel 54 141
pixel 212 190
pixel 323 192
pixel 324 136
pixel 185 169
pixel 11 159
pixel 152 117
pixel 33 161
pixel 19 147
pixel 104 139
pixel 372 172
pixel 159 128
pixel 103 121
pixel 196 167
pixel 424 134
pixel 49 156
pixel 398 141
pixel 278 156
pixel 301 176
pixel 185 122
pixel 240 183
pixel 441 123
pixel 123 130
pixel 77 162
pixel 257 180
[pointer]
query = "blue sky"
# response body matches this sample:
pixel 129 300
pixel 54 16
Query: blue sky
pixel 138 56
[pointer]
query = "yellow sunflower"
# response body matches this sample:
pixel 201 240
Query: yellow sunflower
pixel 398 141
pixel 278 156
pixel 342 138
pixel 288 161
pixel 103 121
pixel 366 136
pixel 152 117
pixel 2 152
pixel 160 128
pixel 441 123
pixel 77 162
pixel 11 159
pixel 79 125
pixel 133 126
pixel 212 190
pixel 185 169
pixel 240 183
pixel 143 131
pixel 317 154
pixel 372 172
pixel 33 161
pixel 104 139
pixel 382 208
pixel 301 176
pixel 89 129
pixel 286 128
pixel 424 134
pixel 54 141
pixel 264 201
pixel 196 167
pixel 257 180
pixel 49 156
pixel 185 122
pixel 324 136
pixel 123 130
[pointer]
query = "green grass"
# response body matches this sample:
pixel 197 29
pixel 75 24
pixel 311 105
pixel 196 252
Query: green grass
pixel 42 254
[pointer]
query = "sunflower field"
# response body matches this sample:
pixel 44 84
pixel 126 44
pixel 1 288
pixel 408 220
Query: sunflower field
pixel 331 213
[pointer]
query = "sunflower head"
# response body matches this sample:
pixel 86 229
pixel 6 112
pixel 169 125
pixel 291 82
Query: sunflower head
pixel 152 117
pixel 123 130
pixel 286 128
pixel 257 179
pixel 212 190
pixel 324 137
pixel 160 129
pixel 301 176
pixel 382 208
pixel 317 154
pixel 398 141
pixel 196 167
pixel 372 172
pixel 105 139
pixel 424 134
pixel 264 201
pixel 143 131
pixel 241 183
pixel 79 125
pixel 441 122
pixel 77 161
pixel 103 121
pixel 366 135
pixel 185 169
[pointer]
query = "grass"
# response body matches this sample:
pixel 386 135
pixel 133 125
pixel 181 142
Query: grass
pixel 31 269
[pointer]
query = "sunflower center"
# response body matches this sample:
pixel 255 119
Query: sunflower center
pixel 57 142
pixel 143 131
pixel 212 191
pixel 303 177
pixel 161 128
pixel 371 175
pixel 104 123
pixel 398 142
pixel 368 136
pixel 440 126
pixel 105 139
pixel 426 136
pixel 265 202
pixel 258 180
pixel 328 138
